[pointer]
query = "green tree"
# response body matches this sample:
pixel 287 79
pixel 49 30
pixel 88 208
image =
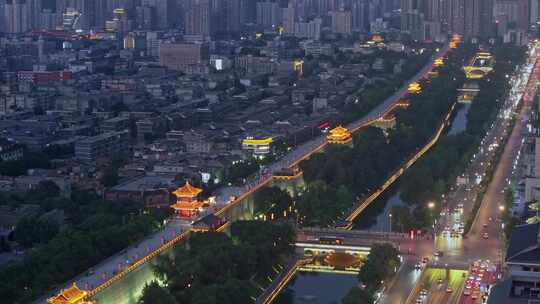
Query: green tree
pixel 109 177
pixel 381 263
pixel 31 230
pixel 153 293
pixel 271 200
pixel 358 296
pixel 44 189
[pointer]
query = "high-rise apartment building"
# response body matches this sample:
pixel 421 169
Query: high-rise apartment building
pixel 233 16
pixel 167 14
pixel 289 16
pixel 360 15
pixel 268 14
pixel 248 11
pixel 517 12
pixel 308 30
pixel 534 11
pixel 198 17
pixel 412 17
pixel 471 18
pixel 16 16
pixel 341 22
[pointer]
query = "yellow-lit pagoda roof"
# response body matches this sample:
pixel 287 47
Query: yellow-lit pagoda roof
pixel 339 130
pixel 414 87
pixel 339 135
pixel 71 295
pixel 194 205
pixel 187 190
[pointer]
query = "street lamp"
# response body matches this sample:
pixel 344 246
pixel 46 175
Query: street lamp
pixel 390 215
pixel 431 206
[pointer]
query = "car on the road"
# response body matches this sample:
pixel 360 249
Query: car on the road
pixel 439 281
pixel 423 292
pixel 485 236
pixel 425 260
pixel 484 225
pixel 419 301
pixel 418 266
pixel 438 253
pixel 449 289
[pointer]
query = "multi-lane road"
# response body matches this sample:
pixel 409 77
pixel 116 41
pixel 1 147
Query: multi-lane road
pixel 483 240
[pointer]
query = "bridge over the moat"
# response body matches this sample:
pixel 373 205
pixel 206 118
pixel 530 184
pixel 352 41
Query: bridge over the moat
pixel 312 242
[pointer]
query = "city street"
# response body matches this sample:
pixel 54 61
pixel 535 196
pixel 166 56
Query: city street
pixel 484 238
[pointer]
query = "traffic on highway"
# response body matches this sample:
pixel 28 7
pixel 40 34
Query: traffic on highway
pixel 477 251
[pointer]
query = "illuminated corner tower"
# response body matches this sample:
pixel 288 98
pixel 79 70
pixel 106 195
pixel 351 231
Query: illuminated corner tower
pixel 339 135
pixel 187 201
pixel 71 295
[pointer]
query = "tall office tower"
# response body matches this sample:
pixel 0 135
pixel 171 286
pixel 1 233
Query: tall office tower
pixel 289 16
pixel 341 22
pixel 233 15
pixel 268 14
pixel 198 18
pixel 16 16
pixel 360 15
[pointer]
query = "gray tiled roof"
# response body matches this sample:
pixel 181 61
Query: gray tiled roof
pixel 524 244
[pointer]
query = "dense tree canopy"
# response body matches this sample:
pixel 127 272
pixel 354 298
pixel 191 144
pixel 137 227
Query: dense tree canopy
pixel 218 269
pixel 153 293
pixel 271 200
pixel 97 229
